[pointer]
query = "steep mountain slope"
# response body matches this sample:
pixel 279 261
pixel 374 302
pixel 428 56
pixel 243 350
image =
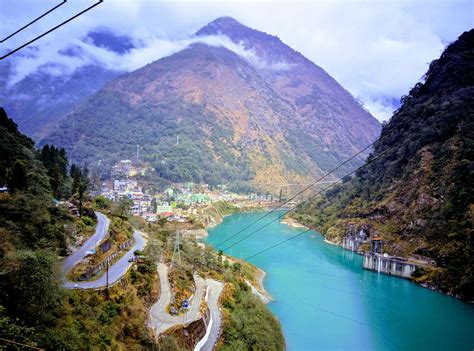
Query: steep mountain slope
pixel 330 116
pixel 206 113
pixel 39 101
pixel 31 236
pixel 420 197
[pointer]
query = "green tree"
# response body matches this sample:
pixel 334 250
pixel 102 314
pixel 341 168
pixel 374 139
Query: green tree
pixel 18 179
pixel 161 221
pixel 102 202
pixel 123 206
pixel 83 187
pixel 36 284
pixel 75 174
pixel 12 330
pixel 80 183
pixel 55 160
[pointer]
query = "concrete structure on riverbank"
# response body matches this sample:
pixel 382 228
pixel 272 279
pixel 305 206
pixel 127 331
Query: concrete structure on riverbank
pixel 380 262
pixel 398 266
pixel 354 238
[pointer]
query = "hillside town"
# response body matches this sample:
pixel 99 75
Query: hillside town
pixel 178 202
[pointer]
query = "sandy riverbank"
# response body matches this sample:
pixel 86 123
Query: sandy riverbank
pixel 293 223
pixel 257 287
pixel 260 276
pixel 259 290
pixel 330 242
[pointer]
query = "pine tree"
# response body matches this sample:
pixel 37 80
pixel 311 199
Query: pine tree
pixel 18 178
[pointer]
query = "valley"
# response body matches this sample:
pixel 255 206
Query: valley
pixel 222 191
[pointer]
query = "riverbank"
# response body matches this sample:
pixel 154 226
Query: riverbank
pixel 222 211
pixel 420 281
pixel 260 290
pixel 215 213
pixel 331 242
pixel 293 223
pixel 318 286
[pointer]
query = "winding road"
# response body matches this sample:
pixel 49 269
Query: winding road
pixel 214 327
pixel 100 231
pixel 116 271
pixel 160 320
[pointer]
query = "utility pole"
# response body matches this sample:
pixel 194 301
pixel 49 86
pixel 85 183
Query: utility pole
pixel 138 152
pixel 281 191
pixel 107 275
pixel 176 251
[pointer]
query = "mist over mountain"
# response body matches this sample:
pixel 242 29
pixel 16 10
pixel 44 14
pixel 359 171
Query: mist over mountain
pixel 210 114
pixel 119 44
pixel 40 100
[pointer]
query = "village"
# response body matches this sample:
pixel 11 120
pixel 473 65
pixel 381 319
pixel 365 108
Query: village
pixel 178 202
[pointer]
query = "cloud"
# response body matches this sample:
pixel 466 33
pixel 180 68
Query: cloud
pixel 376 49
pixel 380 107
pixel 84 52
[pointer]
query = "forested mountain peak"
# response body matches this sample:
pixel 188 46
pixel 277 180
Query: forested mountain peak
pixel 213 114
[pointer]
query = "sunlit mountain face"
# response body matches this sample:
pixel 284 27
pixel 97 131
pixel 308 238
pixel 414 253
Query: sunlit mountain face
pixel 247 111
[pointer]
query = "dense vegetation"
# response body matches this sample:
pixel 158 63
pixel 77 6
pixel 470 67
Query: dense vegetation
pixel 419 197
pixel 34 308
pixel 174 148
pixel 248 325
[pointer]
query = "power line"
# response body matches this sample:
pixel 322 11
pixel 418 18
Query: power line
pixel 301 203
pixel 51 30
pixel 300 192
pixel 177 250
pixel 333 313
pixel 18 343
pixel 277 244
pixel 35 20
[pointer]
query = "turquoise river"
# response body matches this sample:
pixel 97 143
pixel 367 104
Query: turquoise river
pixel 325 300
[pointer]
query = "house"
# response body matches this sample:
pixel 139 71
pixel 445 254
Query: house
pixel 164 209
pixel 149 216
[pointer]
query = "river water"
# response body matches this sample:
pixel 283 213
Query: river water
pixel 325 300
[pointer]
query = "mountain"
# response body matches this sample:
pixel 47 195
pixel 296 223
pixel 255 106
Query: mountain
pixel 255 112
pixel 420 196
pixel 40 100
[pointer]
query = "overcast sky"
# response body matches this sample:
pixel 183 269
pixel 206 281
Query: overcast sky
pixel 375 49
